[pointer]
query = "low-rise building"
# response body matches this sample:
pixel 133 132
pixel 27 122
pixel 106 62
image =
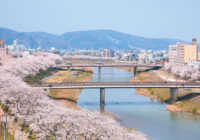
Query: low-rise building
pixel 4 57
pixel 108 53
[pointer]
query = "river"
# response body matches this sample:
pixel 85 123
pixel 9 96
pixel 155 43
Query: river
pixel 140 112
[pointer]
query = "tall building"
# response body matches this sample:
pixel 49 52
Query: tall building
pixel 176 53
pixel 191 52
pixel 183 53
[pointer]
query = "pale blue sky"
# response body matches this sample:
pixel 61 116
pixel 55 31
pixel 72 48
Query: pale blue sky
pixel 148 18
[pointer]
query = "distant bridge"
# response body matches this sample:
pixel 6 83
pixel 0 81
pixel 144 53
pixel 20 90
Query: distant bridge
pixel 107 59
pixel 110 65
pixel 134 66
pixel 102 85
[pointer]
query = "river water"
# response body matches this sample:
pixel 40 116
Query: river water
pixel 140 112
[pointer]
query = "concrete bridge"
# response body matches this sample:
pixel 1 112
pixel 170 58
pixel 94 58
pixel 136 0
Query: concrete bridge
pixel 102 85
pixel 134 66
pixel 103 59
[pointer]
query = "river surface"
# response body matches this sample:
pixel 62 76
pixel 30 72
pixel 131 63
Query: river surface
pixel 140 112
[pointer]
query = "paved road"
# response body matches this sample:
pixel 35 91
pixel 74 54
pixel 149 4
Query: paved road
pixel 73 85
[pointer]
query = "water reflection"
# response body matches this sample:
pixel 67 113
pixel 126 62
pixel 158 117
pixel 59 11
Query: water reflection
pixel 118 103
pixel 140 112
pixel 173 115
pixel 187 116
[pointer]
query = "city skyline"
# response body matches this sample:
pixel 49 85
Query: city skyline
pixel 152 19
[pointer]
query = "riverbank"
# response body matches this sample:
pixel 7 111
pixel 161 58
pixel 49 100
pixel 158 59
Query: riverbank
pixel 188 99
pixel 38 78
pixel 138 111
pixel 68 96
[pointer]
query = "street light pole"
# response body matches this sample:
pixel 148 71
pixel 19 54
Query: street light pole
pixel 4 123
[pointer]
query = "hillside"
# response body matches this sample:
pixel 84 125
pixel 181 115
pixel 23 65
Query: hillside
pixel 95 39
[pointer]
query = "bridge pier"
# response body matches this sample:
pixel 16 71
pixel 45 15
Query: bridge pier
pixel 102 99
pixel 99 73
pixel 173 95
pixel 135 71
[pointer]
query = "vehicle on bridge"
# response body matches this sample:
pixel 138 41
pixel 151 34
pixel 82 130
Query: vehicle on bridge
pixel 69 63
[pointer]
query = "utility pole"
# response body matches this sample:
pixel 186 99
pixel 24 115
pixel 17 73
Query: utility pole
pixel 4 124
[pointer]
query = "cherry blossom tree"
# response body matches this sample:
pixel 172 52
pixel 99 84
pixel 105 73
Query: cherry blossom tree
pixel 168 67
pixel 195 76
pixel 184 72
pixel 47 118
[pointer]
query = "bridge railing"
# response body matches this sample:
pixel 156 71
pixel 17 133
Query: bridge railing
pixel 108 65
pixel 115 84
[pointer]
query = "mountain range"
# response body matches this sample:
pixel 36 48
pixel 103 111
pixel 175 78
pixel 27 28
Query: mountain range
pixel 93 39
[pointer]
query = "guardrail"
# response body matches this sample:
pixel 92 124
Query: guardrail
pixel 108 65
pixel 119 84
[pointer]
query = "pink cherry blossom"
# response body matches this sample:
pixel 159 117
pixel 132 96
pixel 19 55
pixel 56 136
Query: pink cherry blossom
pixel 46 117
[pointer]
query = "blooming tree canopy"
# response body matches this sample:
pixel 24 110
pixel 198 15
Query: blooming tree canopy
pixel 46 117
pixel 184 72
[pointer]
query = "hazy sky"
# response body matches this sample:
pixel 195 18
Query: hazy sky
pixel 148 18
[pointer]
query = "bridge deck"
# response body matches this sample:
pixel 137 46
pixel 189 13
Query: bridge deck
pixel 79 85
pixel 108 65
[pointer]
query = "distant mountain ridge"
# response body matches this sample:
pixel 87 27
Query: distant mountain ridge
pixel 93 39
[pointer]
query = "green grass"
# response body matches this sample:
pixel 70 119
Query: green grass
pixel 38 78
pixel 32 138
pixel 140 77
pixel 163 94
pixel 190 106
pixel 194 110
pixel 52 93
pixel 51 137
pixel 69 94
pixel 151 91
pixel 25 128
pixel 131 130
pixel 82 75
